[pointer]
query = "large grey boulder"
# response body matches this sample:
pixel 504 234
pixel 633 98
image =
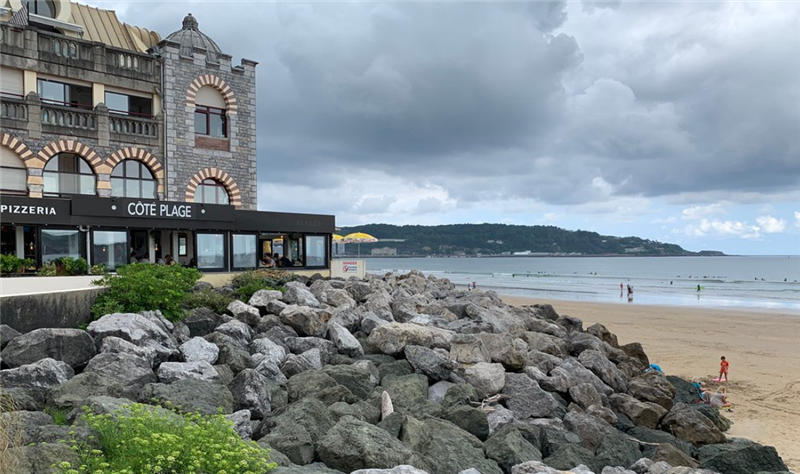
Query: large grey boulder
pixel 250 392
pixel 589 429
pixel 546 343
pixel 116 345
pixel 740 456
pixel 307 321
pixel 617 449
pixel 297 293
pixel 198 349
pixel 353 444
pixel 130 371
pixel 356 378
pixel 345 342
pixel 646 414
pixel 542 361
pixel 577 373
pixel 567 456
pixel 189 395
pixel 653 387
pixel 605 369
pixel 140 330
pixel 262 298
pixel 319 385
pixel 370 321
pixel 169 372
pixel 38 458
pixel 238 331
pixel 244 312
pixel 338 298
pixel 264 349
pixel 409 395
pixel 690 425
pixel 402 469
pixel 472 420
pixel 468 349
pixel 73 346
pixel 506 349
pixel 21 427
pixel 428 362
pixel 509 448
pixel 7 333
pixel 201 322
pixel 585 395
pixel 526 399
pixel 74 392
pixel 392 338
pixel 488 379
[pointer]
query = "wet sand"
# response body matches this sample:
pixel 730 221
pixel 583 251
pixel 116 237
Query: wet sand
pixel 763 349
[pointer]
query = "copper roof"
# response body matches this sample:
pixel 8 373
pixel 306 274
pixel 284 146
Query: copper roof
pixel 103 26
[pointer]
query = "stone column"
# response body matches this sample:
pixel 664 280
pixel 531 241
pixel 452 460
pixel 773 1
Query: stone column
pixel 34 115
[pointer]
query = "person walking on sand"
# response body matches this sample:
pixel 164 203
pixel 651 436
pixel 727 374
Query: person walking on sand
pixel 698 288
pixel 723 369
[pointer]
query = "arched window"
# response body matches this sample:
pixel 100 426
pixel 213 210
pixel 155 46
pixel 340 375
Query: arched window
pixel 42 7
pixel 68 173
pixel 13 175
pixel 212 192
pixel 209 113
pixel 132 178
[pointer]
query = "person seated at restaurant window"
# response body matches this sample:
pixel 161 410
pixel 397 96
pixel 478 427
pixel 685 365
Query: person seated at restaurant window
pixel 133 258
pixel 286 262
pixel 298 263
pixel 268 262
pixel 168 260
pixel 145 259
pixel 276 259
pixel 160 261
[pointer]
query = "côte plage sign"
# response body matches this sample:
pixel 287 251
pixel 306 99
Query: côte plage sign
pixel 149 209
pixel 164 210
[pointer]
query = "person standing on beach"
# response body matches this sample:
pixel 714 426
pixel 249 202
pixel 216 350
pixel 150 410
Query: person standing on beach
pixel 723 368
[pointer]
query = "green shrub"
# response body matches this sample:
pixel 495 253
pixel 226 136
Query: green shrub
pixel 99 269
pixel 146 287
pixel 74 266
pixel 11 264
pixel 48 270
pixel 213 300
pixel 137 439
pixel 247 283
pixel 59 415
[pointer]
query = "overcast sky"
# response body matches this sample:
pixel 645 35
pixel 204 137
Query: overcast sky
pixel 674 121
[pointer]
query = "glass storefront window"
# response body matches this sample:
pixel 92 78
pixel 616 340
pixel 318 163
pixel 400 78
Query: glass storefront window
pixel 110 248
pixel 57 243
pixel 8 240
pixel 244 251
pixel 315 251
pixel 211 251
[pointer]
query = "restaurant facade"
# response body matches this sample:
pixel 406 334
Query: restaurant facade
pixel 119 146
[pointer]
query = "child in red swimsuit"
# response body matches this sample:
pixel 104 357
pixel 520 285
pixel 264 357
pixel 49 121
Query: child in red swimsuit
pixel 723 368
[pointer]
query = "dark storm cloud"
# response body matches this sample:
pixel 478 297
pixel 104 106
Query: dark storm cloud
pixel 495 101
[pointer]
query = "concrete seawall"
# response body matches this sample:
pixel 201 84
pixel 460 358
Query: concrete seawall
pixel 58 309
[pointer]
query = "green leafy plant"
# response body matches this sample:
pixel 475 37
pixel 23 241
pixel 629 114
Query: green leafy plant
pixel 74 266
pixel 139 439
pixel 59 415
pixel 48 269
pixel 213 300
pixel 145 287
pixel 11 264
pixel 99 269
pixel 247 283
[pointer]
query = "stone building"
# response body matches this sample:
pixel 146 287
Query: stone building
pixel 98 115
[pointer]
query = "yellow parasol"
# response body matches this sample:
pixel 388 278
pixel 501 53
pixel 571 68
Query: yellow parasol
pixel 337 237
pixel 358 238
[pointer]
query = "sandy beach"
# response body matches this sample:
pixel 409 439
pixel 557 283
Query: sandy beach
pixel 763 349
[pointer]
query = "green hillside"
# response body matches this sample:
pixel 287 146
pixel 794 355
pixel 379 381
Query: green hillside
pixel 499 239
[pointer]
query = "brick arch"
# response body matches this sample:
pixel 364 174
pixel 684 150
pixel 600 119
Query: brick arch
pixel 214 173
pixel 70 146
pixel 133 153
pixel 216 83
pixel 19 147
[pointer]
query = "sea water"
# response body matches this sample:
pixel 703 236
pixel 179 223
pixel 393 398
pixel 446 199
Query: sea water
pixel 744 282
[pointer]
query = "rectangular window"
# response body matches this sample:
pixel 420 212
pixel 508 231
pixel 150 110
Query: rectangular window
pixel 110 248
pixel 211 251
pixel 57 243
pixel 129 105
pixel 315 251
pixel 182 252
pixel 244 251
pixel 70 95
pixel 13 180
pixel 117 103
pixel 210 121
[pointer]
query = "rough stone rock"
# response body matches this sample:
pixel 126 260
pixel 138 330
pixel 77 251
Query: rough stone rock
pixel 636 351
pixel 690 425
pixel 546 343
pixel 249 390
pixel 370 321
pixel 38 458
pixel 21 427
pixel 359 290
pixel 461 394
pixel 395 367
pixel 578 342
pixel 169 372
pixel 652 387
pixel 740 456
pixel 201 322
pixel 437 391
pixel 509 448
pixel 534 467
pixel 369 366
pixel 589 429
pixel 526 398
pixel 198 349
pixel 268 349
pixel 601 332
pixel 506 349
pixel 296 364
pixel 617 450
pixel 570 323
pixel 244 312
pixel 534 324
pixel 661 437
pixel 402 469
pixel 356 378
pixel 392 338
pixel 338 298
pixel 500 417
pixel 542 361
pixel 445 446
pixel 429 363
pixel 568 456
pixel 602 413
pixel 116 345
pixel 499 318
pixel 605 369
pixel 685 392
pixel 138 329
pixel 7 333
pixel 271 371
pixel 306 320
pixel 297 430
pixel 262 298
pixel 241 423
pixel 645 414
pixel 319 385
pixel 409 395
pixel 19 398
pixel 713 414
pixel 471 420
pixel 225 341
pixel 353 444
pixel 298 294
pixel 585 395
pixel 345 342
pixel 189 395
pixel 577 373
pixel 468 349
pixel 670 454
pixel 238 331
pixel 234 357
pixel 293 441
pixel 130 371
pixel 73 346
pixel 488 379
pixel 362 410
pixel 75 391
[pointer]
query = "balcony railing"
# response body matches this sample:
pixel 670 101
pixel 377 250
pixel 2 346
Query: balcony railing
pixel 13 111
pixel 119 61
pixel 58 48
pixel 69 117
pixel 133 126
